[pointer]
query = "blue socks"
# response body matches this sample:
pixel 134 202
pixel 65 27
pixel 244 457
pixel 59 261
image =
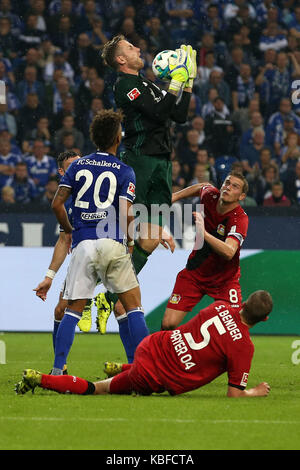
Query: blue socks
pixel 54 333
pixel 126 337
pixel 137 326
pixel 65 337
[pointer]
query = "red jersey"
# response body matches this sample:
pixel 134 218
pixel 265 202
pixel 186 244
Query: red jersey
pixel 213 342
pixel 207 265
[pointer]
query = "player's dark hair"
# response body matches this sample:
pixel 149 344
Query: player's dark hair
pixel 63 156
pixel 239 175
pixel 257 307
pixel 109 51
pixel 105 128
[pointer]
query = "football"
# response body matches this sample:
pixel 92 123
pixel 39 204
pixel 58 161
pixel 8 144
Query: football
pixel 160 64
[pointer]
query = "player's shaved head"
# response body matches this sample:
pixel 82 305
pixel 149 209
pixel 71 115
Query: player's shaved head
pixel 257 307
pixel 105 128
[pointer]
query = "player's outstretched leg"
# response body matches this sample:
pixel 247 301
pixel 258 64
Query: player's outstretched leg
pixel 31 379
pixel 61 384
pixel 85 323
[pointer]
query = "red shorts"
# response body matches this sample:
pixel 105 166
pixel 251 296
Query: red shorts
pixel 140 377
pixel 188 291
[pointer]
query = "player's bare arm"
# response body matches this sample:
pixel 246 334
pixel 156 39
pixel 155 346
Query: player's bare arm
pixel 59 209
pixel 190 191
pixel 59 254
pixel 127 221
pixel 226 249
pixel 261 390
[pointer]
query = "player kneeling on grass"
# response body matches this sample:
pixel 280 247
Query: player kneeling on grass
pixel 215 341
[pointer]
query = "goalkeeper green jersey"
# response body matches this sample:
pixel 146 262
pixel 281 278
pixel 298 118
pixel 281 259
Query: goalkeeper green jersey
pixel 148 112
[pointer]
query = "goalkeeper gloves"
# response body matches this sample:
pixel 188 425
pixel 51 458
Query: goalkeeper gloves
pixel 191 64
pixel 178 70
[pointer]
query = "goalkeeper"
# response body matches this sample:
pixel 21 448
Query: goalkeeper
pixel 148 112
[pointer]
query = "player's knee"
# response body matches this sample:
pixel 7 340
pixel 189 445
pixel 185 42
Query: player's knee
pixel 119 309
pixel 59 312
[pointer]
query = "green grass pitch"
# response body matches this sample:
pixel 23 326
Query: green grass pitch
pixel 202 419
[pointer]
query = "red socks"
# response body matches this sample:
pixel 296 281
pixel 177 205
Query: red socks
pixel 67 384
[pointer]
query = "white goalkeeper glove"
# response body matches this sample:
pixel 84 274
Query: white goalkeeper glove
pixel 178 70
pixel 191 64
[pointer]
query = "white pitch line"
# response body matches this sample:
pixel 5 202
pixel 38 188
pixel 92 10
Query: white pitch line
pixel 158 420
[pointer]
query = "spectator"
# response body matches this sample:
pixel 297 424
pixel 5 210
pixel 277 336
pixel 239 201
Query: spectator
pixel 63 36
pixel 98 35
pixel 146 12
pixel 177 174
pixel 60 92
pixel 273 38
pixel 8 42
pixel 277 198
pixel 292 184
pixel 40 132
pixel 69 107
pixel 32 59
pixel 205 70
pixel 15 20
pixel 208 107
pixel 8 161
pixel 23 186
pixel 29 115
pixel 251 153
pixel 277 123
pixel 274 83
pixel 179 21
pixel 242 117
pixel 262 184
pixel 6 74
pixel 95 107
pixel 59 63
pixel 198 123
pixel 208 44
pixel 59 9
pixel 232 70
pixel 187 153
pixel 220 131
pixel 30 84
pixel 244 89
pixel 256 122
pixel 40 166
pixel 68 142
pixel 6 136
pixel 200 174
pixel 7 196
pixel 294 24
pixel 158 38
pixel 31 36
pixel 129 31
pixel 94 89
pixel 46 53
pixel 38 8
pixel 68 127
pixel 216 81
pixel 49 192
pixel 212 22
pixel 7 121
pixel 83 54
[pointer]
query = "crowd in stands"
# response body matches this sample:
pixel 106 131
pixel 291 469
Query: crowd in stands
pixel 244 112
